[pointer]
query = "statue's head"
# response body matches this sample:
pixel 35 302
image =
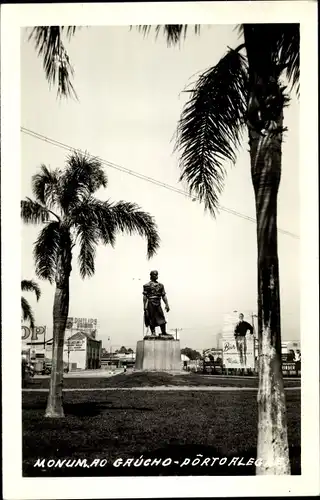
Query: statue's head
pixel 154 275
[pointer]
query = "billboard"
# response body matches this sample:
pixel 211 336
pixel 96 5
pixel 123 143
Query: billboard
pixel 86 325
pixel 33 334
pixel 238 353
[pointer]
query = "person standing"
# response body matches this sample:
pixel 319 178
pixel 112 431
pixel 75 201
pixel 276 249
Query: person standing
pixel 153 292
pixel 240 331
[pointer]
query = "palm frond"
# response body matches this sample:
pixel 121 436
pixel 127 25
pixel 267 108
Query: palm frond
pixel 83 176
pixel 289 52
pixel 239 29
pixel 27 313
pixel 97 214
pixel 70 30
pixel 46 250
pixel 33 213
pixel 56 63
pixel 129 218
pixel 88 235
pixel 99 221
pixel 31 286
pixel 172 32
pixel 45 186
pixel 210 127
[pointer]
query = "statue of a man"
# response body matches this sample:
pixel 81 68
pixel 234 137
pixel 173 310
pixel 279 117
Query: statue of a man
pixel 153 292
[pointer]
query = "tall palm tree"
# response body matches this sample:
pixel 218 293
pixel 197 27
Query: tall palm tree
pixel 245 90
pixel 72 217
pixel 27 313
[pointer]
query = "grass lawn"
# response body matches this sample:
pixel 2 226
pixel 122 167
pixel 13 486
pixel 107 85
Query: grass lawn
pixel 140 379
pixel 125 424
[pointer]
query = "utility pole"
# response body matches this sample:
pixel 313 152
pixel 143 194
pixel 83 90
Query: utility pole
pixel 176 330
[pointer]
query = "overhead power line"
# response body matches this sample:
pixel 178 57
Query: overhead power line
pixel 156 182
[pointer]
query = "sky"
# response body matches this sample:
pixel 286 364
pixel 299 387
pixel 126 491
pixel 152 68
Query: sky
pixel 130 100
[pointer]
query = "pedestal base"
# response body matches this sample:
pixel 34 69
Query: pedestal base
pixel 154 354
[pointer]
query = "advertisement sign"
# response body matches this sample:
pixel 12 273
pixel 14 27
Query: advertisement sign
pixel 238 353
pixel 86 325
pixel 32 335
pixel 289 367
pixel 75 345
pixel 70 345
pixel 291 363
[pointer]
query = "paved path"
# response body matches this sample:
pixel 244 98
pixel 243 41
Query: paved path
pixel 84 374
pixel 161 388
pixel 107 374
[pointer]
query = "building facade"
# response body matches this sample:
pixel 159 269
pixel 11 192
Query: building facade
pixel 81 352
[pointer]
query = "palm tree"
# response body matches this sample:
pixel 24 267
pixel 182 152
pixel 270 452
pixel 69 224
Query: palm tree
pixel 245 90
pixel 72 217
pixel 27 313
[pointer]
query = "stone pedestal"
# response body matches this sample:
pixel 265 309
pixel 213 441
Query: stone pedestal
pixel 158 354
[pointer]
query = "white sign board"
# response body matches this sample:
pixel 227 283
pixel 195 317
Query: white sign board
pixel 238 353
pixel 75 345
pixel 70 345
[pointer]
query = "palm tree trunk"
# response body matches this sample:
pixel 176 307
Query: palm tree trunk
pixel 272 449
pixel 60 316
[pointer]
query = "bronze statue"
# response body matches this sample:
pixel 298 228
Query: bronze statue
pixel 153 292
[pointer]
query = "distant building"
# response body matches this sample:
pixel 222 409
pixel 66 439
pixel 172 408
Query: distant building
pixel 118 359
pixel 81 351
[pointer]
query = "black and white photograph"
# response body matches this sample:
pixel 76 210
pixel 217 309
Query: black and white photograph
pixel 158 252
